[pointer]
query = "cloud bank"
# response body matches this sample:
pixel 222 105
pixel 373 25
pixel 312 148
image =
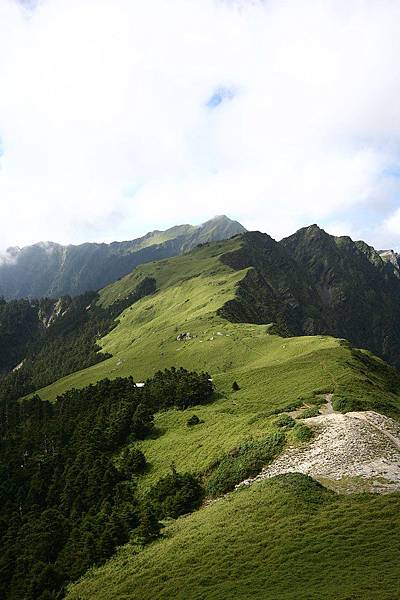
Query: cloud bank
pixel 119 116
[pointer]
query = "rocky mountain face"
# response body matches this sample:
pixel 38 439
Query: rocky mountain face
pixel 49 269
pixel 391 257
pixel 314 283
pixel 25 323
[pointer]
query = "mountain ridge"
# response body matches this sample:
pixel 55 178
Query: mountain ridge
pixel 173 315
pixel 310 283
pixel 49 269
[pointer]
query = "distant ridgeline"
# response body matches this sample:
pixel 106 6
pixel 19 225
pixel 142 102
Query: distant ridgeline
pixel 49 269
pixel 312 283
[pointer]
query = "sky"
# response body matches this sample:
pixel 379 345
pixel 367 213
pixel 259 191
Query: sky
pixel 121 116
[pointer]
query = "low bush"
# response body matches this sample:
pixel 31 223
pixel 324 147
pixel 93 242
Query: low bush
pixel 175 494
pixel 193 420
pixel 309 412
pixel 307 490
pixel 302 433
pixel 322 391
pixel 245 461
pixel 344 405
pixel 285 422
pixel 276 411
pixel 289 407
pixel 315 400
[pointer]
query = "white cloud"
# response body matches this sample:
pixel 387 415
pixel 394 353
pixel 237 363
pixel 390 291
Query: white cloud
pixel 106 131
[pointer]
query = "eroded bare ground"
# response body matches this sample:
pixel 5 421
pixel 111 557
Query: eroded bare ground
pixel 352 452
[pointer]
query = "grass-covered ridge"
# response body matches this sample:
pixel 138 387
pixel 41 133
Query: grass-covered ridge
pixel 273 372
pixel 287 538
pixel 191 290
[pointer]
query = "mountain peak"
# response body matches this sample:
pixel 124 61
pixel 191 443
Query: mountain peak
pixel 221 220
pixel 314 230
pixel 218 218
pixel 312 234
pixel 390 256
pixel 226 226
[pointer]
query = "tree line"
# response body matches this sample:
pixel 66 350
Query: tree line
pixel 48 339
pixel 68 478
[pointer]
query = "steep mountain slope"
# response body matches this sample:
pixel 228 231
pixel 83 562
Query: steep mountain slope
pixel 20 325
pixel 49 269
pixel 26 326
pixel 313 283
pixel 273 372
pixel 392 257
pixel 275 288
pixel 200 293
pixel 43 340
pixel 357 291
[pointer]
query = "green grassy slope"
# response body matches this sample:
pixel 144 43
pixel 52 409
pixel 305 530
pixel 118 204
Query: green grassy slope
pixel 286 538
pixel 159 237
pixel 272 372
pixel 274 539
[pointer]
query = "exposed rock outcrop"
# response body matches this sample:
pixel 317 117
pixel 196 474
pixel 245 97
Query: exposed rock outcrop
pixel 352 452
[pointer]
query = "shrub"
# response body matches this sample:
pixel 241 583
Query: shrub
pixel 344 405
pixel 289 407
pixel 149 527
pixel 194 420
pixel 235 386
pixel 305 489
pixel 302 433
pixel 309 412
pixel 175 494
pixel 276 411
pixel 284 421
pixel 133 462
pixel 245 461
pixel 324 390
pixel 313 399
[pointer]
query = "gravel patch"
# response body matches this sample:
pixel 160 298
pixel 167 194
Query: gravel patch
pixel 356 451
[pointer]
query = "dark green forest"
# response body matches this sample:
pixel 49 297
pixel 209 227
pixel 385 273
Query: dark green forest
pixel 68 479
pixel 48 339
pixel 20 325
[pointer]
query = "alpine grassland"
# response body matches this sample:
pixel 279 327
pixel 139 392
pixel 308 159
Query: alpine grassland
pixel 286 538
pixel 274 374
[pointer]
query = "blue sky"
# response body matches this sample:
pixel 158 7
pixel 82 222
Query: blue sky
pixel 220 95
pixel 117 117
